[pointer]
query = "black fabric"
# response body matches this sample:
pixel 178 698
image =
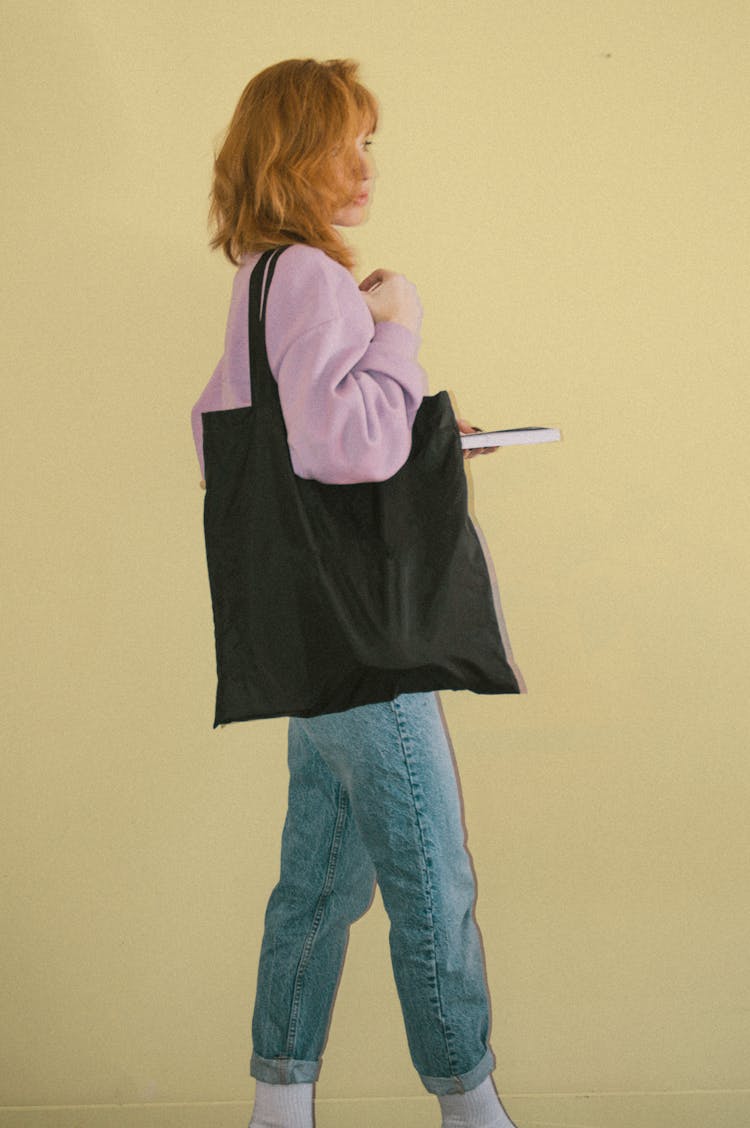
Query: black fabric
pixel 330 596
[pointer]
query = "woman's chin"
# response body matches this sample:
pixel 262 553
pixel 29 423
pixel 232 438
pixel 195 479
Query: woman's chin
pixel 351 216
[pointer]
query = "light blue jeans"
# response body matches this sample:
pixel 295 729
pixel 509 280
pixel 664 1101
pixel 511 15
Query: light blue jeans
pixel 373 796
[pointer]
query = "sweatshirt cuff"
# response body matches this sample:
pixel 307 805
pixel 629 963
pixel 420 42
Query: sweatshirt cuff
pixel 397 338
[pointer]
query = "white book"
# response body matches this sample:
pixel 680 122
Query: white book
pixel 513 437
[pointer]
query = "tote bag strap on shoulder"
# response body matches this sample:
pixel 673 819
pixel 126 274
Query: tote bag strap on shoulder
pixel 260 280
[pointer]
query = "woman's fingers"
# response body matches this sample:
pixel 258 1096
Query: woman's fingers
pixel 467 428
pixel 375 279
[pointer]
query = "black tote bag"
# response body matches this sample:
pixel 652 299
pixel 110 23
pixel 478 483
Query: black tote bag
pixel 325 596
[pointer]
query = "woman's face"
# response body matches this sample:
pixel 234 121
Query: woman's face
pixel 354 212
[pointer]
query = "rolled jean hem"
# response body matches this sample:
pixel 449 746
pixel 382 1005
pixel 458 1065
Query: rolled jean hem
pixel 442 1086
pixel 283 1070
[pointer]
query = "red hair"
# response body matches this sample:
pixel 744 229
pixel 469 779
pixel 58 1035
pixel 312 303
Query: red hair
pixel 288 159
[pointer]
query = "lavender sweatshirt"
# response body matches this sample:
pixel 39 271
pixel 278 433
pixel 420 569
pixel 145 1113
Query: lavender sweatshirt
pixel 349 388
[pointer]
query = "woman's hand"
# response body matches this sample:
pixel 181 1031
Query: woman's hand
pixel 467 429
pixel 203 483
pixel 392 297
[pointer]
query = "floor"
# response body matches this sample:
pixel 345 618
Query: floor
pixel 714 1109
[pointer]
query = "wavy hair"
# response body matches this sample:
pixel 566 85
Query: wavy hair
pixel 288 159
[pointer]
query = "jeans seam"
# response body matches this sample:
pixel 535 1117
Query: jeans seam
pixel 333 856
pixel 403 737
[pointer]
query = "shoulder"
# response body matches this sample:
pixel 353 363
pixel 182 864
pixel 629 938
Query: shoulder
pixel 307 275
pixel 313 262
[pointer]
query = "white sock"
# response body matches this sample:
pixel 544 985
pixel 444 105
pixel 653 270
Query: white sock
pixel 479 1108
pixel 283 1106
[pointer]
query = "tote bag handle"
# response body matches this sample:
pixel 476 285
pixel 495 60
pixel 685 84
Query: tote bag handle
pixel 260 282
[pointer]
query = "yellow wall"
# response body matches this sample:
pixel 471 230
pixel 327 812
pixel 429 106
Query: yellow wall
pixel 566 182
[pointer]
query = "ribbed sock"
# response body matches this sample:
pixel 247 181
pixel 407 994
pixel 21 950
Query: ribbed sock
pixel 479 1108
pixel 282 1106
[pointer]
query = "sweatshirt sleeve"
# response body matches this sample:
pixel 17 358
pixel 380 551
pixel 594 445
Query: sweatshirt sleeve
pixel 349 388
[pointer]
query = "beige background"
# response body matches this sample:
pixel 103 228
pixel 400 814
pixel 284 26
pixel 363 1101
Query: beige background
pixel 567 184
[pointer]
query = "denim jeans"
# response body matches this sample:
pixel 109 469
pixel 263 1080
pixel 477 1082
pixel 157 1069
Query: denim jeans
pixel 373 796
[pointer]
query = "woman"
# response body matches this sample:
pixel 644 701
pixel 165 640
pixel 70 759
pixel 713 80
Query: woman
pixel 373 794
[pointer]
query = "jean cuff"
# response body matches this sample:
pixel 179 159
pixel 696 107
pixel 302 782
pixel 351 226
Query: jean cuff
pixel 462 1083
pixel 284 1070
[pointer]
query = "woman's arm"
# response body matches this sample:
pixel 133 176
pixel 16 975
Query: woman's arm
pixel 349 403
pixel 349 389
